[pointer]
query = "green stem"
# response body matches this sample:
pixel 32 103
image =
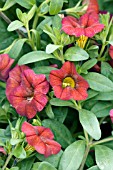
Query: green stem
pixel 7 161
pixel 86 136
pixel 102 141
pixel 101 52
pixel 2 84
pixel 84 157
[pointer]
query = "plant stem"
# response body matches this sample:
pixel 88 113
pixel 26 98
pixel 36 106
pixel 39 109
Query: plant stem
pixel 7 161
pixel 85 157
pixel 86 136
pixel 102 141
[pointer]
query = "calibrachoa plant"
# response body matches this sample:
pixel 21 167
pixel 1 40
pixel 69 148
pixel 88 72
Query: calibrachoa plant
pixel 56 85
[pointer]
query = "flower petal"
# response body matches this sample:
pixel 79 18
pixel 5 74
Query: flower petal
pixel 42 88
pixel 2 150
pixel 58 91
pixel 84 20
pixel 28 129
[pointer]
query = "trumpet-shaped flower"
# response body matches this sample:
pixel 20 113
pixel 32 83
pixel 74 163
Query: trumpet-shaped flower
pixel 87 25
pixel 26 91
pixel 92 6
pixel 5 64
pixel 111 51
pixel 68 84
pixel 2 150
pixel 41 138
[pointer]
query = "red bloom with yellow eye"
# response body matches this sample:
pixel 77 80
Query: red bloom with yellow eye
pixel 5 64
pixel 88 25
pixel 68 84
pixel 26 91
pixel 41 138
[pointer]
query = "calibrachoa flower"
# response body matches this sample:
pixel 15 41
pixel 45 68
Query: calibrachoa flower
pixel 41 138
pixel 86 25
pixel 26 91
pixel 68 84
pixel 111 115
pixel 2 150
pixel 5 64
pixel 111 51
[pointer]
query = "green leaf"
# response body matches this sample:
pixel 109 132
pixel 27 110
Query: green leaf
pixel 104 96
pixel 60 113
pixel 102 109
pixel 53 159
pixel 90 123
pixel 104 157
pixel 76 54
pixel 50 48
pixel 72 156
pixel 26 3
pixel 99 82
pixel 55 6
pixel 19 152
pixel 14 168
pixel 16 49
pixel 61 133
pixel 93 51
pixel 8 4
pixel 15 141
pixel 87 65
pixel 26 164
pixel 3 136
pixel 15 25
pixel 34 57
pixel 58 102
pixel 106 69
pixel 49 111
pixel 46 166
pixel 31 12
pixel 93 168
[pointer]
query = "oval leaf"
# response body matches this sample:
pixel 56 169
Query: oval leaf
pixel 34 57
pixel 93 168
pixel 58 102
pixel 15 25
pixel 76 54
pixel 61 133
pixel 90 123
pixel 99 82
pixel 50 48
pixel 46 166
pixel 72 156
pixel 55 6
pixel 104 157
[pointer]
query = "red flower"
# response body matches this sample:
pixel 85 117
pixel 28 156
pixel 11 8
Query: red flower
pixel 86 25
pixel 26 91
pixel 92 6
pixel 41 139
pixel 68 84
pixel 2 150
pixel 5 64
pixel 111 51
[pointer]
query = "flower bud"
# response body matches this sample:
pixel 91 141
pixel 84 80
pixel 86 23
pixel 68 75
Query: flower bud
pixel 5 64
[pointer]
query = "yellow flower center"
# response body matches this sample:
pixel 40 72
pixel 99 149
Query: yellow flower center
pixel 82 41
pixel 68 82
pixel 29 148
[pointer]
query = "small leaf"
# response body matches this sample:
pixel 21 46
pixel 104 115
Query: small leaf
pixel 16 49
pixel 34 57
pixel 88 64
pixel 55 6
pixel 61 132
pixel 46 166
pixel 72 156
pixel 26 3
pixel 93 168
pixel 19 152
pixel 15 25
pixel 76 54
pixel 8 4
pixel 49 111
pixel 50 48
pixel 90 123
pixel 99 82
pixel 58 102
pixel 104 157
pixel 31 12
pixel 104 96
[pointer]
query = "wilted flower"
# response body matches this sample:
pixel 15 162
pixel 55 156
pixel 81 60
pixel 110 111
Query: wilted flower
pixel 111 51
pixel 86 25
pixel 26 91
pixel 41 138
pixel 111 115
pixel 5 64
pixel 2 150
pixel 68 84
